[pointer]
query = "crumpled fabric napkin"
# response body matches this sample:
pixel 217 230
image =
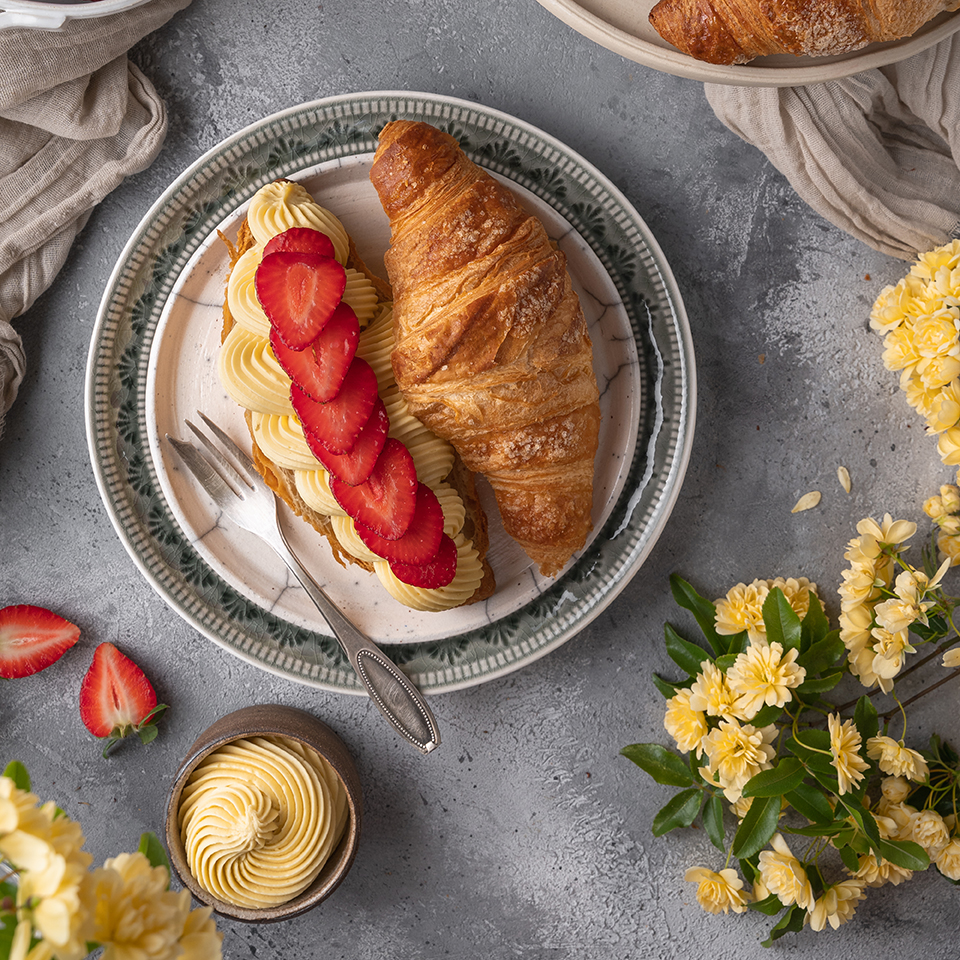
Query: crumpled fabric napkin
pixel 877 154
pixel 76 117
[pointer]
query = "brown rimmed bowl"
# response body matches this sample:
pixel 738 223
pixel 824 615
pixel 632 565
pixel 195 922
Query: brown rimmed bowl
pixel 263 721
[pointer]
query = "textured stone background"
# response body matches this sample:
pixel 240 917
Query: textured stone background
pixel 525 835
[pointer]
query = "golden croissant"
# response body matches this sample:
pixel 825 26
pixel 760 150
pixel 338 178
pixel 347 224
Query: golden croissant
pixel 492 351
pixel 736 31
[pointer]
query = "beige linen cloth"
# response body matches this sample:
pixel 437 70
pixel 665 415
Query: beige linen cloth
pixel 877 154
pixel 76 117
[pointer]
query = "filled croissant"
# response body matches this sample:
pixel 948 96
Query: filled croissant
pixel 492 351
pixel 736 31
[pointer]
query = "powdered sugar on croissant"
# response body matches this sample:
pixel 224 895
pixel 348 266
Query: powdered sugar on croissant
pixel 492 347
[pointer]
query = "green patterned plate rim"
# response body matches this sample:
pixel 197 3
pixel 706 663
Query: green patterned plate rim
pixel 221 182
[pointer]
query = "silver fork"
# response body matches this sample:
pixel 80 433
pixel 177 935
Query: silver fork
pixel 240 492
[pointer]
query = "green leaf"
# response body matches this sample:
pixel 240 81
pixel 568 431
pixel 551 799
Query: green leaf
pixel 686 655
pixel 663 765
pixel 703 611
pixel 769 905
pixel 820 684
pixel 811 803
pixel 767 714
pixel 867 824
pixel 833 829
pixel 865 719
pixel 849 857
pixel 153 850
pixel 757 827
pixel 904 853
pixel 781 620
pixel 8 925
pixel 148 733
pixel 680 811
pixel 667 688
pixel 778 780
pixel 823 654
pixel 17 772
pixel 790 922
pixel 814 626
pixel 726 661
pixel 713 821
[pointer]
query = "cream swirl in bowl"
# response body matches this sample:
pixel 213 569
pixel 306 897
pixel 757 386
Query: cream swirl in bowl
pixel 259 818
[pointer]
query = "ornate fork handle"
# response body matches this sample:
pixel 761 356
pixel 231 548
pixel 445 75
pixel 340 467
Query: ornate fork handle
pixel 388 686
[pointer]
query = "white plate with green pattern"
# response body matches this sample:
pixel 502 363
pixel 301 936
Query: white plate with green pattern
pixel 152 362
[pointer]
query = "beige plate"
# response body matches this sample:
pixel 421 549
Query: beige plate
pixel 622 26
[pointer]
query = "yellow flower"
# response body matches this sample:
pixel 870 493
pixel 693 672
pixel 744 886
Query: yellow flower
pixel 929 830
pixel 837 904
pixel 710 693
pixel 742 609
pixel 944 409
pixel 735 753
pixel 200 939
pixel 895 789
pixel 845 744
pixel 890 532
pixel 952 658
pixel 936 334
pixel 764 675
pixel 889 650
pixel 948 547
pixel 948 446
pixel 897 760
pixel 24 828
pixel 783 874
pixel 948 859
pixel 135 915
pixel 875 874
pixel 935 373
pixel 686 725
pixel 899 352
pixel 718 892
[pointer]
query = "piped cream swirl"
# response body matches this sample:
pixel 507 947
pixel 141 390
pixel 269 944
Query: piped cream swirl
pixel 259 818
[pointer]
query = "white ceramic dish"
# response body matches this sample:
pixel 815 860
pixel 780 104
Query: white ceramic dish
pixel 622 26
pixel 49 15
pixel 152 363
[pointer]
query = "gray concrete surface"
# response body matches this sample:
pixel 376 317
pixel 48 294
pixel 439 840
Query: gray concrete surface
pixel 525 835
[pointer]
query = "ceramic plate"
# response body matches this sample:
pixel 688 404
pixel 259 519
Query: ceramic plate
pixel 622 26
pixel 153 362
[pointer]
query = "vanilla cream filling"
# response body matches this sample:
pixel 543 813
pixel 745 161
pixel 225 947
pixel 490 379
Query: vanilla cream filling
pixel 253 378
pixel 259 818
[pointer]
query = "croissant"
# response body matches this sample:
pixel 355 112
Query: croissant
pixel 492 351
pixel 736 31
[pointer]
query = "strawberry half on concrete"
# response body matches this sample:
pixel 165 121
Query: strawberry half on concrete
pixel 31 638
pixel 116 699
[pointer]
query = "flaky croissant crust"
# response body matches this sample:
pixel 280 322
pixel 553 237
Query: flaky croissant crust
pixel 737 31
pixel 492 348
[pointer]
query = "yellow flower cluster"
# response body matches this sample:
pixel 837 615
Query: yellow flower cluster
pixel 943 510
pixel 875 630
pixel 124 905
pixel 919 320
pixel 742 608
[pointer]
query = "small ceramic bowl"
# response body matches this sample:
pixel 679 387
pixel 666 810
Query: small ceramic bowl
pixel 272 720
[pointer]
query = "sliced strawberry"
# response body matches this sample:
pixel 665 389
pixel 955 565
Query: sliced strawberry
pixel 116 698
pixel 298 293
pixel 430 576
pixel 421 542
pixel 357 465
pixel 337 424
pixel 319 369
pixel 31 638
pixel 387 500
pixel 300 240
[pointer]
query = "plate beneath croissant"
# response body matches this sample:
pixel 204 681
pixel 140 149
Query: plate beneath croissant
pixel 622 26
pixel 152 363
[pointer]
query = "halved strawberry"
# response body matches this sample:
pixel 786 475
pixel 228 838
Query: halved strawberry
pixel 31 638
pixel 421 542
pixel 337 423
pixel 300 240
pixel 357 465
pixel 387 500
pixel 430 576
pixel 298 293
pixel 116 698
pixel 319 369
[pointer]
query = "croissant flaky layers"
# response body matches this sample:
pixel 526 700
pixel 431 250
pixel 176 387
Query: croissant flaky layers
pixel 736 31
pixel 492 351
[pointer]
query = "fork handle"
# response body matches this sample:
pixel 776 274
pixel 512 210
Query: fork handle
pixel 388 686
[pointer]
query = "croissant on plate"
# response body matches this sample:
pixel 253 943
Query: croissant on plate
pixel 492 351
pixel 736 31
